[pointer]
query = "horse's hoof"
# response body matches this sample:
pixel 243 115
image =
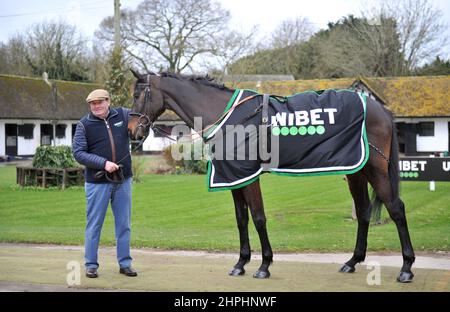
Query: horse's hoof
pixel 261 274
pixel 347 269
pixel 405 277
pixel 236 272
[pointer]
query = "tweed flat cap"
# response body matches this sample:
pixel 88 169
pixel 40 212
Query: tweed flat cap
pixel 97 95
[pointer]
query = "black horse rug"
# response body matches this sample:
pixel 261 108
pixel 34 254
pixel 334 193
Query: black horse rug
pixel 310 133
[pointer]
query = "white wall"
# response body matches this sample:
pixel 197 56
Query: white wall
pixel 438 142
pixel 152 144
pixel 2 138
pixel 67 140
pixel 29 146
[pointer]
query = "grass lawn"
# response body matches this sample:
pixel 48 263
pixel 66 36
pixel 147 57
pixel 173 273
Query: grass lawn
pixel 177 211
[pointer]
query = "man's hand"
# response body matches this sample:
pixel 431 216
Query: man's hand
pixel 111 167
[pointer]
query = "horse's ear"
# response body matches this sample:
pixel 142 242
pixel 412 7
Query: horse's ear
pixel 135 73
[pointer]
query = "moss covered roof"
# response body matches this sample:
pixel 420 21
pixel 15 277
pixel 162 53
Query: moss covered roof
pixel 424 96
pixel 32 98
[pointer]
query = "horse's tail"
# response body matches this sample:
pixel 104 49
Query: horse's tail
pixel 393 172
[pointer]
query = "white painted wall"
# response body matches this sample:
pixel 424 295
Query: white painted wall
pixel 2 138
pixel 438 142
pixel 152 144
pixel 29 146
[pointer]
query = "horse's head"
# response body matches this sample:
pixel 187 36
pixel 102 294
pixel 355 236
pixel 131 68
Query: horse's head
pixel 148 105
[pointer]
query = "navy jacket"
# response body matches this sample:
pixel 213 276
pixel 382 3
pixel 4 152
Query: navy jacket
pixel 92 145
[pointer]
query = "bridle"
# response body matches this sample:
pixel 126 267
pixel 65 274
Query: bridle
pixel 144 121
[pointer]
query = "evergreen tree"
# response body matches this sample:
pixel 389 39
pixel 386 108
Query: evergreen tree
pixel 118 81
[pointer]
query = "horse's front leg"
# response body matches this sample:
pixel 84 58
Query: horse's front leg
pixel 253 197
pixel 242 224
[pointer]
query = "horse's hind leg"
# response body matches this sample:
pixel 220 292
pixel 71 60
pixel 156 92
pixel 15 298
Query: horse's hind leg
pixel 358 187
pixel 396 208
pixel 253 197
pixel 241 210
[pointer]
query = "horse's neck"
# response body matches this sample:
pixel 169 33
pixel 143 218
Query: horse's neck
pixel 189 102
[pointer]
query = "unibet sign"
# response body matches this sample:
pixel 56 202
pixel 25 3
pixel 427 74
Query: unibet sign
pixel 302 122
pixel 424 169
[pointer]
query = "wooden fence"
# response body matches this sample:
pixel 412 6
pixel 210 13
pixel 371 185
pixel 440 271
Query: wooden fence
pixel 45 177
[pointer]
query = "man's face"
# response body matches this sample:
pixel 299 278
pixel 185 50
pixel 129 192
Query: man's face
pixel 99 108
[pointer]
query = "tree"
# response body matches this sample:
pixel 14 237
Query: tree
pixel 13 57
pixel 420 28
pixel 435 68
pixel 52 47
pixel 229 48
pixel 56 48
pixel 358 46
pixel 117 80
pixel 169 34
pixel 292 32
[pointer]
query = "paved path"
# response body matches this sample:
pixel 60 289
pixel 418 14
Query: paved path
pixel 46 267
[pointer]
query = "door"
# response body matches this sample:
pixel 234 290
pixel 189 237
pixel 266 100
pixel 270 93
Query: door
pixel 46 134
pixel 11 139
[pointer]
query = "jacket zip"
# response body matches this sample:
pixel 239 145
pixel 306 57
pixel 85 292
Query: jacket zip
pixel 111 139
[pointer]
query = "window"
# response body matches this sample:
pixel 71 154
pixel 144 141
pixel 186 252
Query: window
pixel 60 131
pixel 426 128
pixel 26 131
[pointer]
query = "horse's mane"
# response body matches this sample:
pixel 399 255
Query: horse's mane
pixel 204 80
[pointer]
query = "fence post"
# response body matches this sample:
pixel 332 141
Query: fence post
pixel 64 178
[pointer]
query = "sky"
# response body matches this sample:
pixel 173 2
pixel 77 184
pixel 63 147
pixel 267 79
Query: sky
pixel 17 16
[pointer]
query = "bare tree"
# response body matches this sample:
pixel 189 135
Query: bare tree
pixel 170 34
pixel 292 32
pixel 13 57
pixel 229 48
pixel 420 27
pixel 52 47
pixel 357 46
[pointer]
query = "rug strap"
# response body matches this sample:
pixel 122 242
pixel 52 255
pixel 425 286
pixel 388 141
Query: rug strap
pixel 264 155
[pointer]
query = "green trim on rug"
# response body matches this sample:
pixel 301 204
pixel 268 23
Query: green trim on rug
pixel 341 172
pixel 225 111
pixel 226 188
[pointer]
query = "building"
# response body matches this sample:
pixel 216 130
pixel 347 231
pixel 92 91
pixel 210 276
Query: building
pixel 34 113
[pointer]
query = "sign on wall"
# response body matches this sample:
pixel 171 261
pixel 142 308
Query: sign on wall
pixel 424 169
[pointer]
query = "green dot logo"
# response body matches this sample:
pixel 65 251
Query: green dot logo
pixel 293 131
pixel 320 130
pixel 285 131
pixel 276 131
pixel 416 174
pixel 411 174
pixel 302 130
pixel 311 130
pixel 402 174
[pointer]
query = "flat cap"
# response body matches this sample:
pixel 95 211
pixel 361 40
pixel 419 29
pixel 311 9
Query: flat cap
pixel 97 95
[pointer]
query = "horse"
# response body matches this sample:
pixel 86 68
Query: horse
pixel 193 96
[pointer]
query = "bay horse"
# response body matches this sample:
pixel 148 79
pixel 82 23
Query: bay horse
pixel 197 96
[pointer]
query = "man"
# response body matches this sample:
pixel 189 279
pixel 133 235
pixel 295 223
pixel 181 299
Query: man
pixel 101 144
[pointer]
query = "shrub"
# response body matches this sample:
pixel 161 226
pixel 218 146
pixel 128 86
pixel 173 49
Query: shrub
pixel 54 157
pixel 186 165
pixel 137 164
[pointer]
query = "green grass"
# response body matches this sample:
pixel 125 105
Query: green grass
pixel 176 211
